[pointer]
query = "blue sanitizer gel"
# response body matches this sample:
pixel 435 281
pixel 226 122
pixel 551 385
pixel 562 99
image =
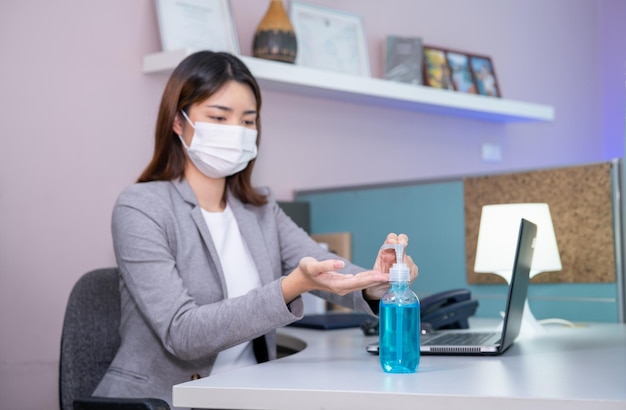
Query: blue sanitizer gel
pixel 399 322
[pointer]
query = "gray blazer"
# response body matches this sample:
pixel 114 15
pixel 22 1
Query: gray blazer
pixel 176 314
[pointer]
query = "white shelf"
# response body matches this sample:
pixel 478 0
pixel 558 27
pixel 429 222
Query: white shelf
pixel 284 77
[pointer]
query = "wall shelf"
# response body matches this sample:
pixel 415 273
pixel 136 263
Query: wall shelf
pixel 283 77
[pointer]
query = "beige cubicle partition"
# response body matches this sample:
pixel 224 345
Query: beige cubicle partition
pixel 580 200
pixel 340 243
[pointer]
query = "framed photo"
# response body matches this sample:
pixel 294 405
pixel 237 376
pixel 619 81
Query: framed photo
pixel 403 59
pixel 485 76
pixel 329 39
pixel 437 72
pixel 462 77
pixel 197 25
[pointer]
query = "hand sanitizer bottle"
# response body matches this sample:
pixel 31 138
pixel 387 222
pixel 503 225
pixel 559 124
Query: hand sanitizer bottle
pixel 399 320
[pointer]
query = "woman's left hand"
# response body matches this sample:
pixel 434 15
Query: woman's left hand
pixel 385 260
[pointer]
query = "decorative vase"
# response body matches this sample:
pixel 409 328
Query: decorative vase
pixel 275 38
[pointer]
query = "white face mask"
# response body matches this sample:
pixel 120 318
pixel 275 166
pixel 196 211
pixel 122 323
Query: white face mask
pixel 220 150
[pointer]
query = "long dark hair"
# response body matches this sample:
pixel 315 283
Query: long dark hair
pixel 195 79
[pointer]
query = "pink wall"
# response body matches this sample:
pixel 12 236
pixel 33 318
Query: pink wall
pixel 78 116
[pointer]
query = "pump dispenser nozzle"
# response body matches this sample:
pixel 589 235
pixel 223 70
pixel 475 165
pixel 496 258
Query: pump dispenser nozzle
pixel 399 272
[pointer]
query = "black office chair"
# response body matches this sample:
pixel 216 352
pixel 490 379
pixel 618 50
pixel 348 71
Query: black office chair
pixel 89 342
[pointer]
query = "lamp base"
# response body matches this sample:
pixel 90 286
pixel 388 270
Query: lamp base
pixel 530 325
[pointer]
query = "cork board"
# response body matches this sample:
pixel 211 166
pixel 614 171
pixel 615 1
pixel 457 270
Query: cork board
pixel 581 209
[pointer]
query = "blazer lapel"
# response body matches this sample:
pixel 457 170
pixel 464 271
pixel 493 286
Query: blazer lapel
pixel 196 215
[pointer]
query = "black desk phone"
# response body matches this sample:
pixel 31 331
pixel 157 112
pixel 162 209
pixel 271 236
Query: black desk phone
pixel 448 310
pixel 444 310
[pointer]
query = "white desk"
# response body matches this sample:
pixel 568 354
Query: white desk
pixel 567 368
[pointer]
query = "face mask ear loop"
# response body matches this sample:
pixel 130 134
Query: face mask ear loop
pixel 180 136
pixel 187 118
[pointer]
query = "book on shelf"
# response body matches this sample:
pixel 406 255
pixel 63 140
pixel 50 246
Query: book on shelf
pixel 403 59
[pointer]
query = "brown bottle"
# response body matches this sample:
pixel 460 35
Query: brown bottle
pixel 275 38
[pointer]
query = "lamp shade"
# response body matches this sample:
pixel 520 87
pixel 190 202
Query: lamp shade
pixel 497 239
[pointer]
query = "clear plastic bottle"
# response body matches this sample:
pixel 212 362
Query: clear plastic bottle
pixel 399 318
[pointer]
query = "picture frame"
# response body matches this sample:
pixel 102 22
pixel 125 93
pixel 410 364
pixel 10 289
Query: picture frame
pixel 461 72
pixel 437 73
pixel 329 39
pixel 485 76
pixel 403 59
pixel 196 25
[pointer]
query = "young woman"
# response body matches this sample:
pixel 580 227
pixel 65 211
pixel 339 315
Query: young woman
pixel 209 266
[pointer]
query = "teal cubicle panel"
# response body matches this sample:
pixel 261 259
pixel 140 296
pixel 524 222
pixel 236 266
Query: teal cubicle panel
pixel 432 214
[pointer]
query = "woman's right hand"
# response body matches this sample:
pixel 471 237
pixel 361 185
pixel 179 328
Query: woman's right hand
pixel 312 274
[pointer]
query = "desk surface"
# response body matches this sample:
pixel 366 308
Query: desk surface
pixel 565 368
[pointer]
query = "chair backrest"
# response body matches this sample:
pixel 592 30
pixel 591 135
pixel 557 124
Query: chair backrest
pixel 90 336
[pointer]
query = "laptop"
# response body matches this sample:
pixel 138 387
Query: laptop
pixel 477 342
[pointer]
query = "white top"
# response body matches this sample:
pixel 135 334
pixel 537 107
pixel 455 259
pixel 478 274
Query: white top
pixel 241 277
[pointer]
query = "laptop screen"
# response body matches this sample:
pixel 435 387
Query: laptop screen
pixel 518 288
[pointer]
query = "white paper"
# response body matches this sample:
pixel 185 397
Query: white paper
pixel 329 40
pixel 196 25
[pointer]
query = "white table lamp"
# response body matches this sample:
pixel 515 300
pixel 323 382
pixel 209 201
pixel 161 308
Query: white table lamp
pixel 497 239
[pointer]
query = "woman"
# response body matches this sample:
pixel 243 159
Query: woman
pixel 209 266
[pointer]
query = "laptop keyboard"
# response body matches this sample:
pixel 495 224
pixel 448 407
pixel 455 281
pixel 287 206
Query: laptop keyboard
pixel 460 339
